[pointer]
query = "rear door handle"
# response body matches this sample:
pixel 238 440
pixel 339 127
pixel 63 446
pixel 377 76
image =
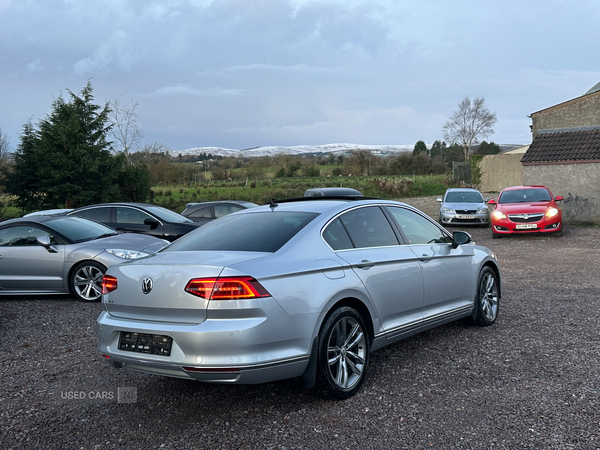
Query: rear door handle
pixel 365 263
pixel 425 258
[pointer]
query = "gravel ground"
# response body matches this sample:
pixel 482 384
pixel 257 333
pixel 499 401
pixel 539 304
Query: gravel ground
pixel 532 380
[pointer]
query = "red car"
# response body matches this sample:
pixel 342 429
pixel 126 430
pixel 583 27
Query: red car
pixel 526 209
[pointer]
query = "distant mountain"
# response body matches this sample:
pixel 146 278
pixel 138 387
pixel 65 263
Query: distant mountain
pixel 296 150
pixel 307 150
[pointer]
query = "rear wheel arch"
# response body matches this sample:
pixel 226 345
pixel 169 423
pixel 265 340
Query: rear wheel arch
pixel 356 304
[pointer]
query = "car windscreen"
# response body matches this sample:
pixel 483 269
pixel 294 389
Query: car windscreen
pixel 265 231
pixel 525 196
pixel 167 215
pixel 464 197
pixel 79 230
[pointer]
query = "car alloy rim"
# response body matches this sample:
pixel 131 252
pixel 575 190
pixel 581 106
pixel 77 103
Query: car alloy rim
pixel 489 296
pixel 346 350
pixel 88 282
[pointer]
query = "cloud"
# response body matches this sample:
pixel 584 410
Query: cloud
pixel 112 52
pixel 34 66
pixel 184 90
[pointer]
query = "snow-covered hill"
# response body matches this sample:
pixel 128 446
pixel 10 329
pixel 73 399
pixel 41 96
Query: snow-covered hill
pixel 295 150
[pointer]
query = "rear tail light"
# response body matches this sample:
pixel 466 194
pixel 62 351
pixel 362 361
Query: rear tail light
pixel 109 284
pixel 226 288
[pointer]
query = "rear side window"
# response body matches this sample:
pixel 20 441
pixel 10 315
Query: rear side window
pixel 360 228
pixel 96 214
pixel 265 231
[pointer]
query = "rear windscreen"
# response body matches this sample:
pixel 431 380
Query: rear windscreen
pixel 265 231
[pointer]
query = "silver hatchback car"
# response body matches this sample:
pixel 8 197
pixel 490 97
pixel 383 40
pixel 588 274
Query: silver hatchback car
pixel 464 206
pixel 300 288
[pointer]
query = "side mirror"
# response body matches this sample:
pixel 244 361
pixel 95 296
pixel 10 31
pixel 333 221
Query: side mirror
pixel 558 198
pixel 460 238
pixel 491 201
pixel 152 222
pixel 45 242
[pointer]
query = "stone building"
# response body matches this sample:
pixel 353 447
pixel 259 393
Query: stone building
pixel 565 155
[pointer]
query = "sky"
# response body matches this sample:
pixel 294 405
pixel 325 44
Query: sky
pixel 246 73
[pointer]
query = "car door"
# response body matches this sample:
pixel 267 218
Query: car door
pixel 447 273
pixel 389 271
pixel 131 220
pixel 27 266
pixel 100 214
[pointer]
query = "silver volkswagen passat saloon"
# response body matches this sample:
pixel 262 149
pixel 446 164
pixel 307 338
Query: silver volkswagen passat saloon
pixel 300 288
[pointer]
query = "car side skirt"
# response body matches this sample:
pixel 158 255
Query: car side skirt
pixel 404 331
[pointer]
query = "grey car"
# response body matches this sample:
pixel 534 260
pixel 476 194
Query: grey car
pixel 301 288
pixel 60 255
pixel 464 206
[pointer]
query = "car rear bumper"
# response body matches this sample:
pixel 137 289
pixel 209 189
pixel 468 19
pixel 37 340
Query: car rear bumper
pixel 246 350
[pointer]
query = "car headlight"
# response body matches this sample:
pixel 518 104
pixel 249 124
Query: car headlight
pixel 482 211
pixel 446 210
pixel 126 254
pixel 499 215
pixel 551 212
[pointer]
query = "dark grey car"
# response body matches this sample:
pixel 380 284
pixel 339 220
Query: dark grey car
pixel 57 255
pixel 138 218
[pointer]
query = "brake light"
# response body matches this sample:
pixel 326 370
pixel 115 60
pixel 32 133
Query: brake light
pixel 109 284
pixel 226 288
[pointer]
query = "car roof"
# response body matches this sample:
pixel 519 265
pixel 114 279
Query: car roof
pixel 462 190
pixel 40 218
pixel 215 202
pixel 142 205
pixel 319 204
pixel 531 186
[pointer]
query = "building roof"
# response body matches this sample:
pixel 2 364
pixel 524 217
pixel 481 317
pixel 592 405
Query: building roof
pixel 594 88
pixel 564 146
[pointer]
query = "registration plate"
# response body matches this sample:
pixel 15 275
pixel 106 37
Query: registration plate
pixel 465 217
pixel 526 226
pixel 154 344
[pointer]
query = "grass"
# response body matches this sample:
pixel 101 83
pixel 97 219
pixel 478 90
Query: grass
pixel 261 191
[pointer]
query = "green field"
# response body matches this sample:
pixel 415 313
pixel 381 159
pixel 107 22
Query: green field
pixel 176 197
pixel 262 191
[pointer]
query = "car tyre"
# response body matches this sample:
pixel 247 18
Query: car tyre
pixel 558 233
pixel 496 235
pixel 343 354
pixel 85 281
pixel 487 300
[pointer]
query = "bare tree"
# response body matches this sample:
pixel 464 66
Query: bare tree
pixel 126 130
pixel 472 121
pixel 4 146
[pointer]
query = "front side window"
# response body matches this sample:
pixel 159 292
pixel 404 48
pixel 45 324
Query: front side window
pixel 416 228
pixel 131 216
pixel 21 236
